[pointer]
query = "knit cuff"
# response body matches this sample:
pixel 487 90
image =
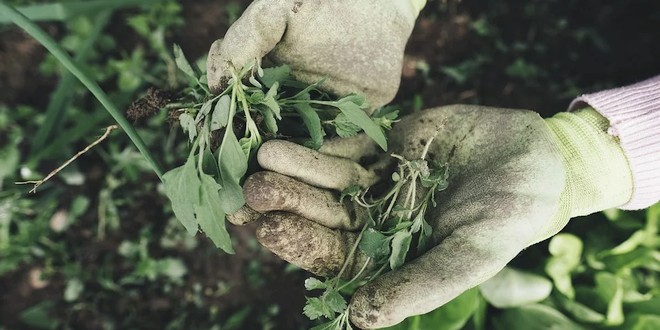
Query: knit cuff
pixel 634 115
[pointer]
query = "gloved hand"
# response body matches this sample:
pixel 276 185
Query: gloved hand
pixel 515 179
pixel 357 45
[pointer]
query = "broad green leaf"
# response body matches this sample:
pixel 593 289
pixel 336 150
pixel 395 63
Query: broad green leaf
pixel 358 117
pixel 314 284
pixel 533 317
pixel 182 188
pixel 512 288
pixel 220 116
pixel 611 290
pixel 643 322
pixel 232 159
pixel 188 125
pixel 580 312
pixel 566 250
pixel 451 316
pixel 211 216
pixel 182 63
pixel 275 74
pixel 400 247
pixel 312 122
pixel 374 244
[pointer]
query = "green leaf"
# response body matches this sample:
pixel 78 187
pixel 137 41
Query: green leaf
pixel 374 244
pixel 313 123
pixel 334 301
pixel 566 250
pixel 211 216
pixel 512 288
pixel 610 289
pixel 233 165
pixel 275 74
pixel 534 317
pixel 182 63
pixel 451 316
pixel 182 188
pixel 315 308
pixel 188 125
pixel 271 103
pixel 269 119
pixel 579 311
pixel 220 116
pixel 643 322
pixel 314 284
pixel 344 127
pixel 358 117
pixel 400 246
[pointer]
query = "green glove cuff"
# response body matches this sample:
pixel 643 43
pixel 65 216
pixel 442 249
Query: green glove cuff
pixel 598 173
pixel 418 5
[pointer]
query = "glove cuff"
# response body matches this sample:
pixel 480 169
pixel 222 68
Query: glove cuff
pixel 418 5
pixel 598 173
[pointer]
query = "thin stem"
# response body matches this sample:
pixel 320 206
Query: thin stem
pixel 64 58
pixel 349 257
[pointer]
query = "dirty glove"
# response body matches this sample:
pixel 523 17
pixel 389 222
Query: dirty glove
pixel 357 45
pixel 515 179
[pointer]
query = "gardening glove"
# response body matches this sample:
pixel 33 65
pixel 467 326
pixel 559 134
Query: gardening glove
pixel 515 179
pixel 356 45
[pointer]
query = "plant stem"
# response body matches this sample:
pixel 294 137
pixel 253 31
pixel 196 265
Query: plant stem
pixel 64 58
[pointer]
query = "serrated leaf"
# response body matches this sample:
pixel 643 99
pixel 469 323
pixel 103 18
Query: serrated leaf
pixel 272 75
pixel 182 188
pixel 358 117
pixel 313 123
pixel 220 116
pixel 344 127
pixel 334 301
pixel 182 63
pixel 315 308
pixel 400 247
pixel 314 284
pixel 374 244
pixel 211 216
pixel 188 125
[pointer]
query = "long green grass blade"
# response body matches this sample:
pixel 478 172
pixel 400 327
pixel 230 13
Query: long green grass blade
pixel 59 53
pixel 67 10
pixel 61 97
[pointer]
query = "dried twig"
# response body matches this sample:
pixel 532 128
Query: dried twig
pixel 71 160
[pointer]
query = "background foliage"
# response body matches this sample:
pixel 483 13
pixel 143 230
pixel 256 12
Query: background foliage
pixel 98 247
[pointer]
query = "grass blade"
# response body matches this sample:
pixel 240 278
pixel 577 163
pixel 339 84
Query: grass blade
pixel 61 97
pixel 59 53
pixel 65 11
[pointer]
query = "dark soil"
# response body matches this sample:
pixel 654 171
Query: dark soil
pixel 577 46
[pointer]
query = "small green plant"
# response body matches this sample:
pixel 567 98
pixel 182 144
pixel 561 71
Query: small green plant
pixel 392 222
pixel 227 129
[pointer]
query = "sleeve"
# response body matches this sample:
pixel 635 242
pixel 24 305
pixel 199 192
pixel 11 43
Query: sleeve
pixel 634 115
